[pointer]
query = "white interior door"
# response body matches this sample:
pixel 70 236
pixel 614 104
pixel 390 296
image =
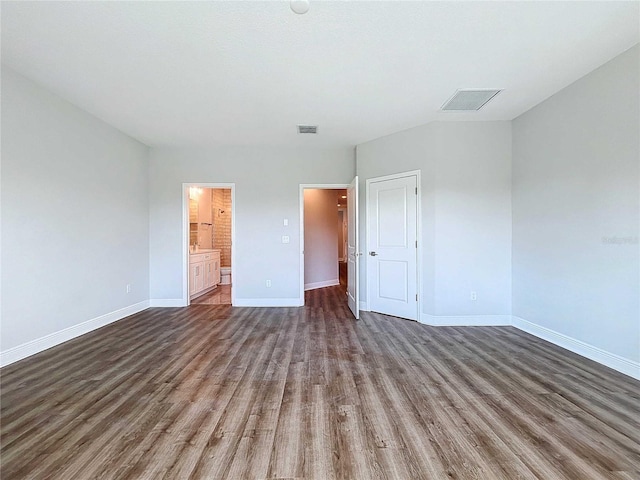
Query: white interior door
pixel 392 246
pixel 353 254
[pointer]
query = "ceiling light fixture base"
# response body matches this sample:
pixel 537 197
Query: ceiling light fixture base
pixel 299 6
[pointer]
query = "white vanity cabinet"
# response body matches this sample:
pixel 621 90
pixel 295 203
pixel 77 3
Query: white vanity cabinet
pixel 204 272
pixel 212 271
pixel 196 278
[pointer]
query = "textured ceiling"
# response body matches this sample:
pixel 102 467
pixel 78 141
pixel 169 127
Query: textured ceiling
pixel 245 73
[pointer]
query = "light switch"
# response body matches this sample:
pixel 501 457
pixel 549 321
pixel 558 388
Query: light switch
pixel 285 239
pixel 286 222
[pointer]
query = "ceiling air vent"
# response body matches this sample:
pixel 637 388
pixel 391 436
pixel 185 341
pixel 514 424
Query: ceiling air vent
pixel 313 129
pixel 469 99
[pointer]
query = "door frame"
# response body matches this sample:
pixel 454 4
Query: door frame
pixel 303 186
pixel 185 236
pixel 394 176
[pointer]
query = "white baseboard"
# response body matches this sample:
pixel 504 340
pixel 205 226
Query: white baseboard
pixel 268 302
pixel 326 283
pixel 40 344
pixel 611 360
pixel 465 320
pixel 364 307
pixel 620 364
pixel 166 302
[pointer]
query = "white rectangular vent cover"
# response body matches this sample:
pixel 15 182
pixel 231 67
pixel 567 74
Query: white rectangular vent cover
pixel 470 99
pixel 313 129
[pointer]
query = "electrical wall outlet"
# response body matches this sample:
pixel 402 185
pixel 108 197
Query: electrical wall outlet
pixel 128 288
pixel 473 297
pixel 268 283
pixel 285 239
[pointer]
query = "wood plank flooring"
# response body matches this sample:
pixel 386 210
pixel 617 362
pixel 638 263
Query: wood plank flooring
pixel 215 392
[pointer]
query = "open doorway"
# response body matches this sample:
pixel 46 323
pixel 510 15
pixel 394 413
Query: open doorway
pixel 324 237
pixel 345 195
pixel 209 238
pixel 324 234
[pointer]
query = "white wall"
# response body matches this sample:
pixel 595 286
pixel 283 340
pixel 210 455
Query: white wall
pixel 320 238
pixel 466 211
pixel 267 191
pixel 575 191
pixel 74 216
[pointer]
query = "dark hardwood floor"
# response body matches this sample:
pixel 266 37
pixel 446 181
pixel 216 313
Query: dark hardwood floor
pixel 215 392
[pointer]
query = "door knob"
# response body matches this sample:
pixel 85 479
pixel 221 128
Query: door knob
pixel 373 254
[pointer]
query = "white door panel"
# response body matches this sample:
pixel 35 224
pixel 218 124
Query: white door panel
pixel 353 255
pixel 392 213
pixel 396 290
pixel 392 234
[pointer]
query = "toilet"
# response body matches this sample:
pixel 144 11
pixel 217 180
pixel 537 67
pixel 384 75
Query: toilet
pixel 225 276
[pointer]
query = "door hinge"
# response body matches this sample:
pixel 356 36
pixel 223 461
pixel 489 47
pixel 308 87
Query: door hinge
pixel 416 297
pixel 416 190
pixel 416 243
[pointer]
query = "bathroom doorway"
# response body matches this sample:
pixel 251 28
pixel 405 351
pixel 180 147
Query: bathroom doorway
pixel 209 236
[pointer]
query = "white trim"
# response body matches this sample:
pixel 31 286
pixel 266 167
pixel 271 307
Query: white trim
pixel 268 302
pixel 166 302
pixel 185 237
pixel 354 220
pixel 394 176
pixel 323 186
pixel 419 238
pixel 40 344
pixel 326 283
pixel 465 320
pixel 364 307
pixel 611 360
